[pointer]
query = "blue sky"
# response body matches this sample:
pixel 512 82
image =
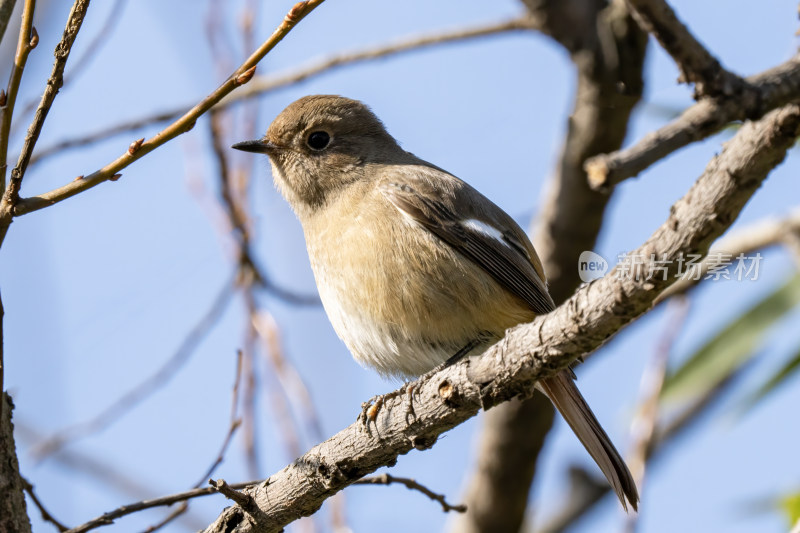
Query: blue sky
pixel 101 289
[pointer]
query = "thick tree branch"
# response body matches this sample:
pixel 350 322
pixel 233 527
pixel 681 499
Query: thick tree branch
pixel 138 149
pixel 13 513
pixel 696 64
pixel 770 89
pixel 528 352
pixel 607 48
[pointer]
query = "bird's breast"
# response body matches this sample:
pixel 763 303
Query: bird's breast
pixel 402 300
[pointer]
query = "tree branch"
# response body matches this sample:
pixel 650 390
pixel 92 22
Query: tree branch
pixel 696 64
pixel 185 123
pixel 770 89
pixel 109 517
pixel 13 513
pixel 411 484
pixel 263 84
pixel 28 39
pixel 607 48
pixel 528 352
pixel 64 47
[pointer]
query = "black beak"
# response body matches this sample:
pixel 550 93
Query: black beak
pixel 259 146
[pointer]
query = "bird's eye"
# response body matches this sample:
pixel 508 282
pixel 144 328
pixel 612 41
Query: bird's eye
pixel 318 140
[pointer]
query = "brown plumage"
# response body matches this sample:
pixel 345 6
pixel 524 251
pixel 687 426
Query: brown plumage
pixel 412 264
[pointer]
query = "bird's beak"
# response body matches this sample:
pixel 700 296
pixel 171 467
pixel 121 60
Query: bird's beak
pixel 259 146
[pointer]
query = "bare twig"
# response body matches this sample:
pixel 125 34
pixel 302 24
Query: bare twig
pixel 109 517
pixel 8 98
pixel 774 88
pixel 185 123
pixel 234 424
pixel 11 194
pixel 108 473
pixel 388 479
pixel 133 397
pixel 643 425
pixel 92 49
pixel 176 513
pixel 530 351
pixel 696 64
pixel 263 84
pixel 46 516
pixel 242 499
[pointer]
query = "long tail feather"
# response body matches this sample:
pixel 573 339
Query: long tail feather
pixel 564 394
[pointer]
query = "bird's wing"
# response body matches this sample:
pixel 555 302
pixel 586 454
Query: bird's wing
pixel 469 222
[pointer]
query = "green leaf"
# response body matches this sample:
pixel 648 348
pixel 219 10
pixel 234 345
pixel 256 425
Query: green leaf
pixel 790 505
pixel 777 379
pixel 732 347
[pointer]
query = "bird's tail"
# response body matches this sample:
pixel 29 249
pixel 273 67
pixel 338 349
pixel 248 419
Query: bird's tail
pixel 564 394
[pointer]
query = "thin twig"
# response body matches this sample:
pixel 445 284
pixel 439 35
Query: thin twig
pixel 268 83
pixel 92 50
pixel 695 62
pixel 62 51
pixel 8 98
pixel 115 411
pixel 242 499
pixel 176 513
pixel 109 517
pixel 388 479
pixel 185 123
pixel 109 474
pixel 771 89
pixel 46 516
pixel 234 424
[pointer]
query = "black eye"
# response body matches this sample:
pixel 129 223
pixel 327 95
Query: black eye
pixel 318 140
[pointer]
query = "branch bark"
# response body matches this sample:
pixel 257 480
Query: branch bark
pixel 13 513
pixel 608 49
pixel 696 63
pixel 530 351
pixel 771 89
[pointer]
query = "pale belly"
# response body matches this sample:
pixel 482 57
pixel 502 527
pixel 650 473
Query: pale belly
pixel 405 308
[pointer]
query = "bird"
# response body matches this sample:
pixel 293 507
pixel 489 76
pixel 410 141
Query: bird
pixel 415 268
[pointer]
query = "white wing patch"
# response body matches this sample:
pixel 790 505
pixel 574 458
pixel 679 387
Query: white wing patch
pixel 487 229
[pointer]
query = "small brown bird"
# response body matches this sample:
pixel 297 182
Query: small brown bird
pixel 414 266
